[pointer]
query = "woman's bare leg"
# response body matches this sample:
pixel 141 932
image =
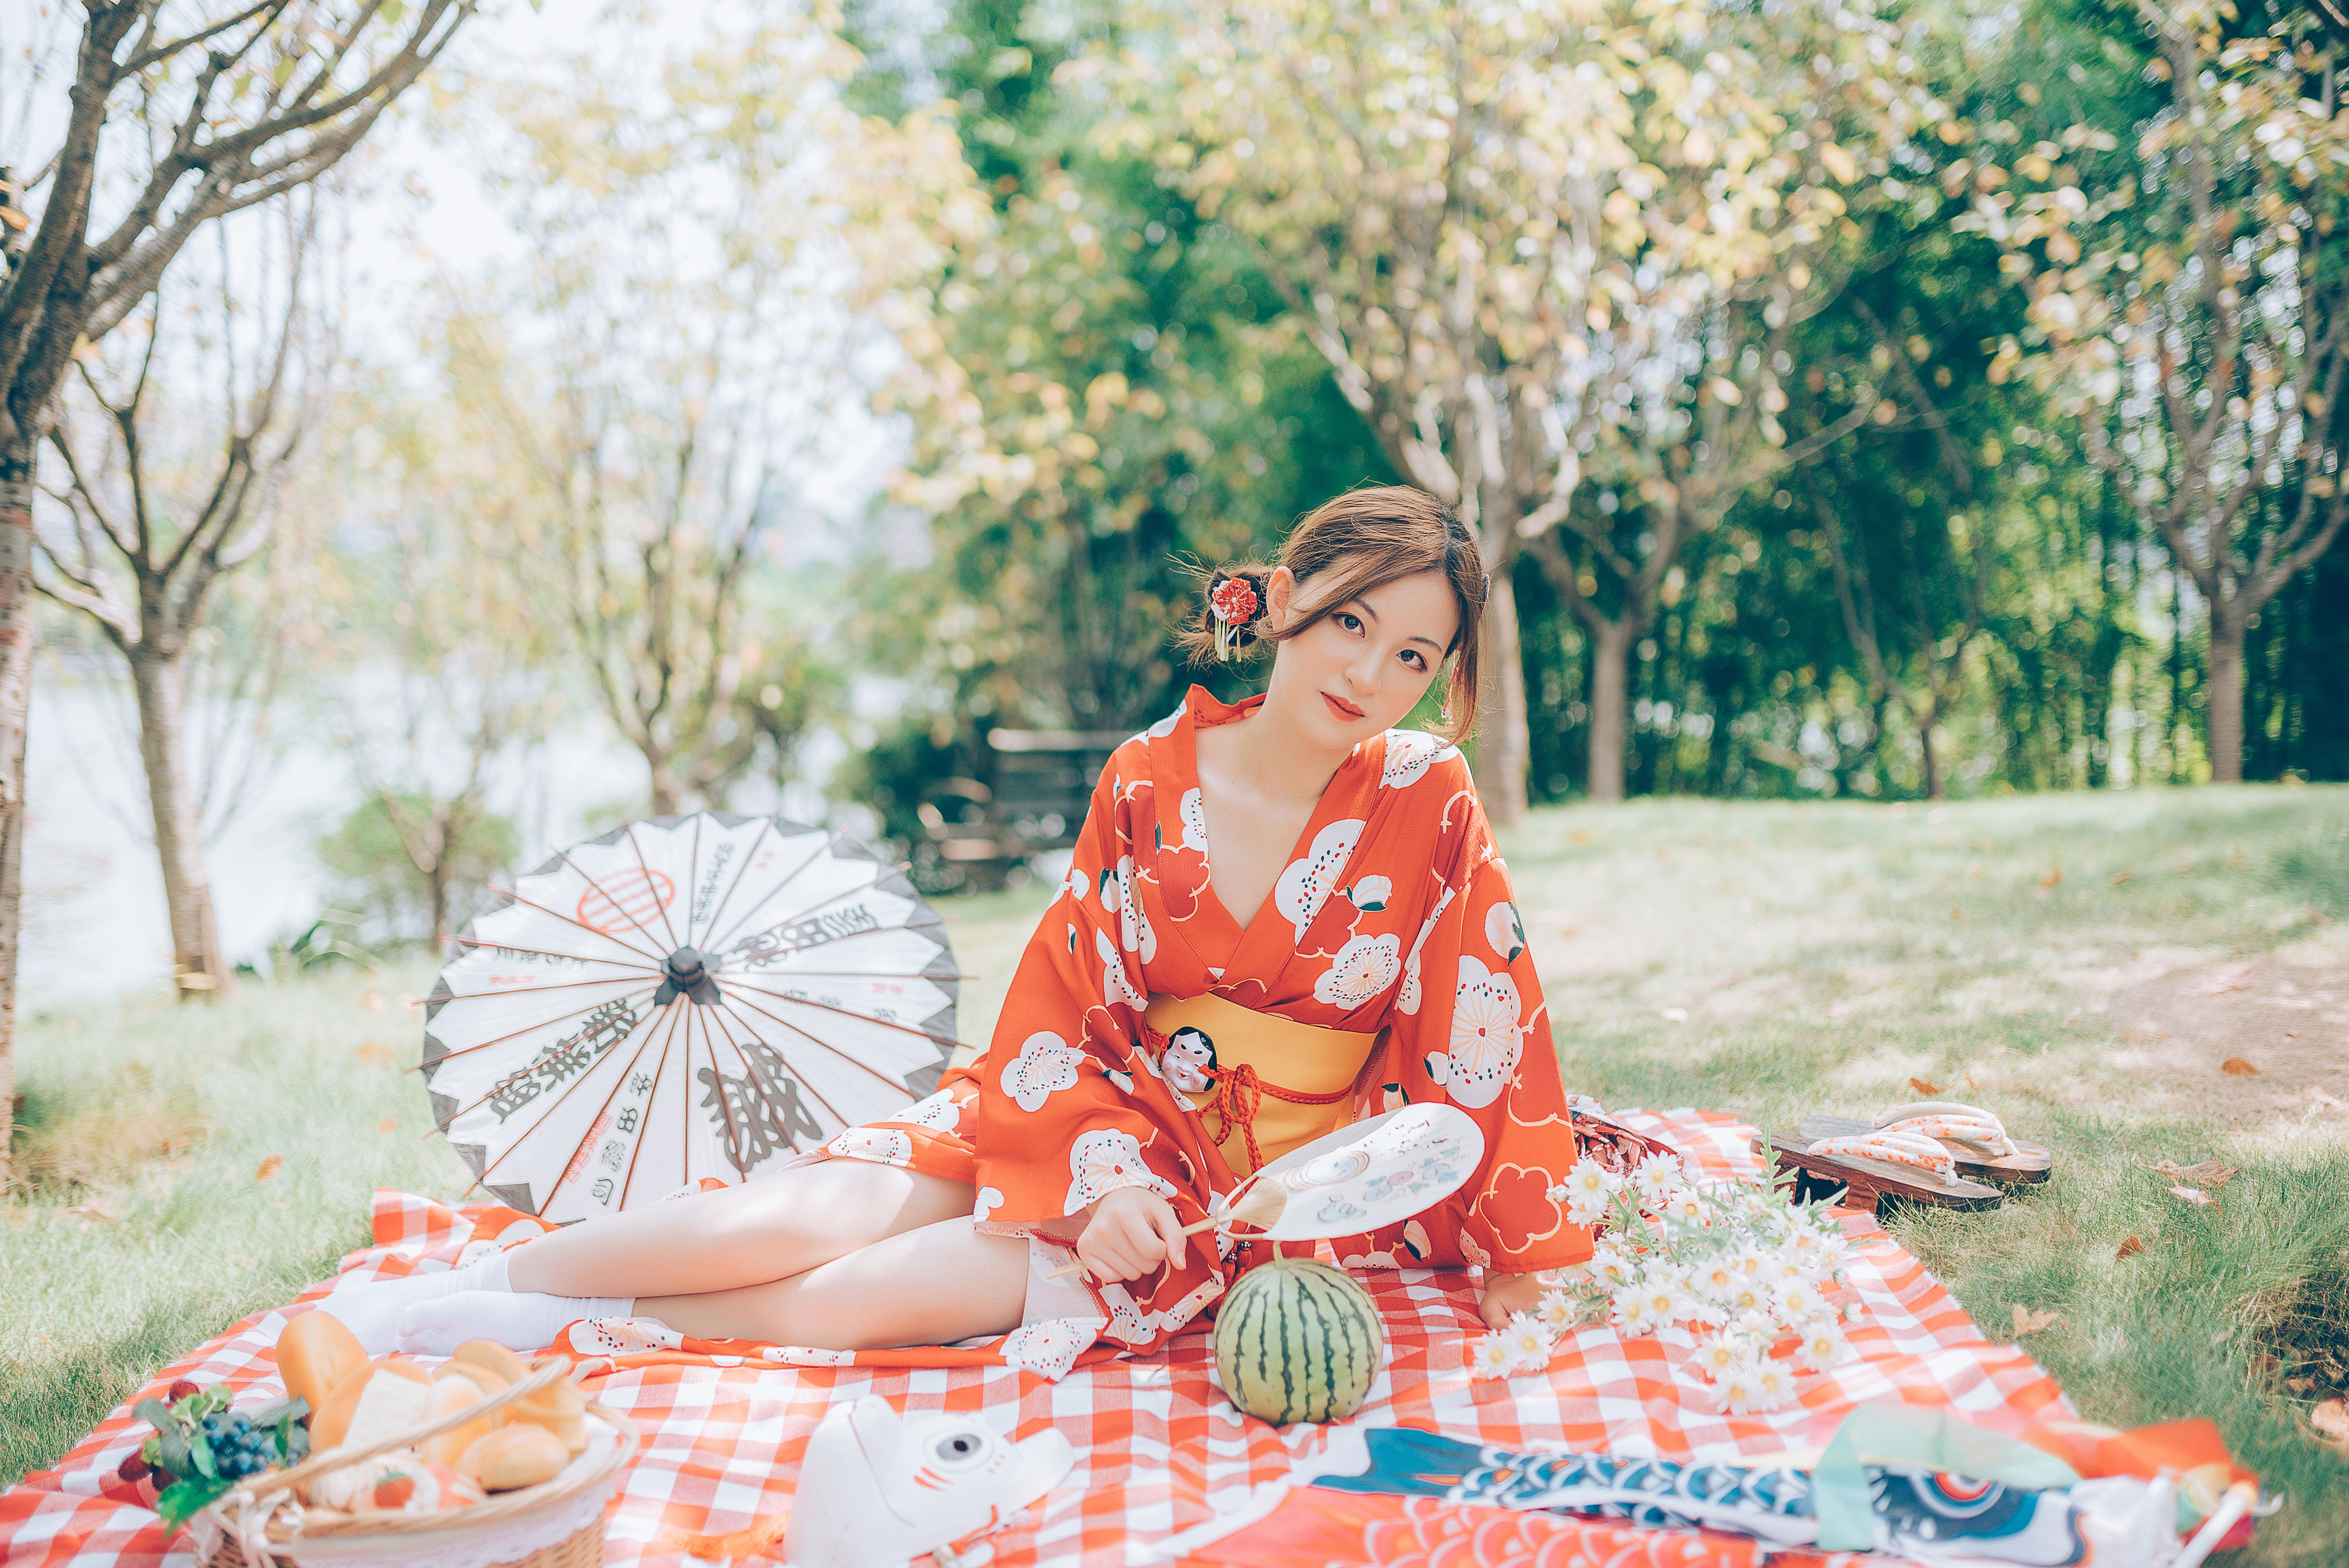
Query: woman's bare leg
pixel 765 1229
pixel 932 1285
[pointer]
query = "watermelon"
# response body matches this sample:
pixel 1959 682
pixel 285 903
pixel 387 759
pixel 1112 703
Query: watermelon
pixel 1298 1341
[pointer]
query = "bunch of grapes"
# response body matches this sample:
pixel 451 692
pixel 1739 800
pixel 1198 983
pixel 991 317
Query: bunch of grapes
pixel 238 1447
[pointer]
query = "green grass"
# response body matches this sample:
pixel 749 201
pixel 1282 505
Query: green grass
pixel 1774 960
pixel 145 1230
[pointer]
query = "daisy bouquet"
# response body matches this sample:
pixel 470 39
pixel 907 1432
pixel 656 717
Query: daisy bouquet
pixel 1738 1263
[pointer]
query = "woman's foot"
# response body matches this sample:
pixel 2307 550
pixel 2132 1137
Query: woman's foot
pixel 371 1309
pixel 519 1320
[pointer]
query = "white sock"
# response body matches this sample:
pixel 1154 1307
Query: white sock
pixel 370 1309
pixel 519 1320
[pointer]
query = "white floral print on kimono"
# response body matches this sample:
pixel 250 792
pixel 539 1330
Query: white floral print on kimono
pixel 1365 966
pixel 882 1145
pixel 1487 1038
pixel 1046 1062
pixel 1105 1160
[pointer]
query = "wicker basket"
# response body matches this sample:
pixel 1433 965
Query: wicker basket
pixel 558 1523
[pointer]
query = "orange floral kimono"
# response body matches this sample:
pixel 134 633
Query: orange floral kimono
pixel 1393 920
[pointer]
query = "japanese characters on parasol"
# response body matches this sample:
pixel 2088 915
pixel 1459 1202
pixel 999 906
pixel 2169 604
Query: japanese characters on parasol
pixel 684 998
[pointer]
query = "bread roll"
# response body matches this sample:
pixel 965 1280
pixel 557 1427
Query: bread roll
pixel 446 1396
pixel 315 1353
pixel 561 1408
pixel 512 1456
pixel 493 1356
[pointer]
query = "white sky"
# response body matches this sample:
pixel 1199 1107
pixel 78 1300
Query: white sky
pixel 415 211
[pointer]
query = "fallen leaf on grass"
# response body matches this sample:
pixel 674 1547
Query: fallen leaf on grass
pixel 2331 1419
pixel 1957 915
pixel 2053 877
pixel 2118 877
pixel 2195 1196
pixel 1676 1015
pixel 270 1166
pixel 96 1210
pixel 1927 1089
pixel 389 1124
pixel 1840 1010
pixel 2300 1385
pixel 2236 1067
pixel 2207 1173
pixel 2029 1322
pixel 373 1053
pixel 2320 1098
pixel 2128 1249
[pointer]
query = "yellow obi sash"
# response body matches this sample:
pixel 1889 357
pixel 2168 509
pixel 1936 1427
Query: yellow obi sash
pixel 1280 1084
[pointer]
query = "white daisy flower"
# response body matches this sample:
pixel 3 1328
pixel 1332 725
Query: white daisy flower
pixel 1718 1355
pixel 1735 1390
pixel 1797 1298
pixel 1821 1348
pixel 1713 1278
pixel 1610 1265
pixel 1529 1342
pixel 1662 1297
pixel 1751 1264
pixel 1630 1313
pixel 1685 1205
pixel 1745 1299
pixel 1491 1358
pixel 1658 1176
pixel 1774 1386
pixel 1587 1191
pixel 1560 1313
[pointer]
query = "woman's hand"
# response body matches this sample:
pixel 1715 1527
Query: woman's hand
pixel 1132 1230
pixel 1506 1293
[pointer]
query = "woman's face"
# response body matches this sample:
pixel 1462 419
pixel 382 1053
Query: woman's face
pixel 1362 667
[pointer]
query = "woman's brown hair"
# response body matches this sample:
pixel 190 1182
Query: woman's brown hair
pixel 1345 548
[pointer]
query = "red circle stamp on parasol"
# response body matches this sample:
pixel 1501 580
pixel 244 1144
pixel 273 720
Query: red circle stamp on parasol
pixel 625 900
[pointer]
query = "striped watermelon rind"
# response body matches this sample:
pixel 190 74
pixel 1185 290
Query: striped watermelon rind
pixel 1298 1341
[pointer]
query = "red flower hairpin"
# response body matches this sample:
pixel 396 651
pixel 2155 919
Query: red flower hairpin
pixel 1233 603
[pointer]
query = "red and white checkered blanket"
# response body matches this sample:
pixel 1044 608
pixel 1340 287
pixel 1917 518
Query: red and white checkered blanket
pixel 1160 1448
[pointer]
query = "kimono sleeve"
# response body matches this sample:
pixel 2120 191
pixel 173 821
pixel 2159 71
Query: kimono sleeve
pixel 1470 1025
pixel 1066 1108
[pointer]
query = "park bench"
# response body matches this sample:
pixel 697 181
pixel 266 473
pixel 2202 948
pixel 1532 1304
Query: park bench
pixel 1036 803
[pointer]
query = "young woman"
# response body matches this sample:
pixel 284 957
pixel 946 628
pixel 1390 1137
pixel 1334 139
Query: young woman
pixel 1281 915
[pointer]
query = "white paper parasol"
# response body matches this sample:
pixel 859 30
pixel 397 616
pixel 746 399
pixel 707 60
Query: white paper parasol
pixel 681 998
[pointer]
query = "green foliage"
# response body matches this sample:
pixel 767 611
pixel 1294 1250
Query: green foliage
pixel 2077 664
pixel 1132 408
pixel 373 852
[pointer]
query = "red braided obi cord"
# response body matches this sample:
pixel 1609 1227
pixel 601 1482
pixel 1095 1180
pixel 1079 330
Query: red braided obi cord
pixel 1279 1084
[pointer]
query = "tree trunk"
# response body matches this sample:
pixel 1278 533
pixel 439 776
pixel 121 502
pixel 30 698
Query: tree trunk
pixel 1934 789
pixel 159 685
pixel 1610 696
pixel 664 792
pixel 2223 695
pixel 16 694
pixel 1504 748
pixel 435 881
